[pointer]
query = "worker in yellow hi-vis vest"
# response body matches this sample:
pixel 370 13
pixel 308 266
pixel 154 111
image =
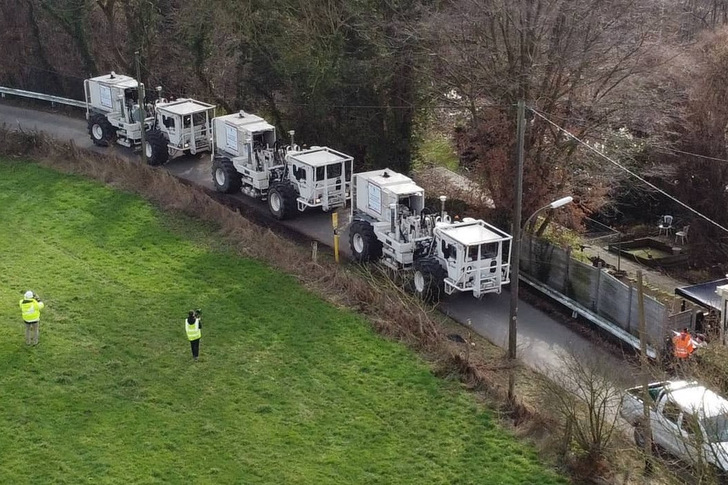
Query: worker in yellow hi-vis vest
pixel 193 328
pixel 30 307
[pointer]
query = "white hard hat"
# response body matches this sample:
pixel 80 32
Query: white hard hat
pixel 28 295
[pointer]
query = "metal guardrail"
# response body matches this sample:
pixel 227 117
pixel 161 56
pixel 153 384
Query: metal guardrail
pixel 597 320
pixel 44 97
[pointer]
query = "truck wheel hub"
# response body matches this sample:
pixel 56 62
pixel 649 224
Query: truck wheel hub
pixel 358 243
pixel 275 201
pixel 419 282
pixel 220 177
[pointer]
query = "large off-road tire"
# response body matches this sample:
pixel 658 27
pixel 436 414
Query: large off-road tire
pixel 428 281
pixel 225 177
pixel 282 200
pixel 363 242
pixel 101 131
pixel 156 148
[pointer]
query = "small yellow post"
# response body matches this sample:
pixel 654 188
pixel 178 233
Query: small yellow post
pixel 335 223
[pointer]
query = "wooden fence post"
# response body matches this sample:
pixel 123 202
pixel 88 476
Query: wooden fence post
pixel 566 273
pixel 629 307
pixel 599 281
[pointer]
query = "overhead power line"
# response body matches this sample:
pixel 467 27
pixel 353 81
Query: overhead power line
pixel 614 162
pixel 675 150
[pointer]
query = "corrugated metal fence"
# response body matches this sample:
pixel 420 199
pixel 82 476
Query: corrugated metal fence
pixel 593 288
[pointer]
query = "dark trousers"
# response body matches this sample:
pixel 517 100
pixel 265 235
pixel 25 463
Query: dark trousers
pixel 195 344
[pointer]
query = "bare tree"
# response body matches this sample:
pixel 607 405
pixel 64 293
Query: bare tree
pixel 567 59
pixel 695 149
pixel 586 394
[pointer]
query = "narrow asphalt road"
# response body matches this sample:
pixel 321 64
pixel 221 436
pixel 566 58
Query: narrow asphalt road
pixel 540 338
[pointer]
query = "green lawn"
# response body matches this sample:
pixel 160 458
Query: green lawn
pixel 437 149
pixel 288 389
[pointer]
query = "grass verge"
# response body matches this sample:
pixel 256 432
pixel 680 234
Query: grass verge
pixel 289 389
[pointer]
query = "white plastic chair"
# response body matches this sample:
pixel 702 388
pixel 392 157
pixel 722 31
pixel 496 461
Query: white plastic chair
pixel 682 235
pixel 665 225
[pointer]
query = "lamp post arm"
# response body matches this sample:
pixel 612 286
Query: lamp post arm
pixel 552 205
pixel 525 224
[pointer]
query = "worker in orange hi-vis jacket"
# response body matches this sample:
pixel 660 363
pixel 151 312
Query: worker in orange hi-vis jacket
pixel 682 345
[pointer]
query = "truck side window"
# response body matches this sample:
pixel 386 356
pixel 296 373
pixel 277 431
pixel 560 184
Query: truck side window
pixel 671 412
pixel 333 171
pixel 299 173
pixel 488 250
pixel 198 119
pixel 449 251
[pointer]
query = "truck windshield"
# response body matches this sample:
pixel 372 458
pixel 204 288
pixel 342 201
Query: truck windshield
pixel 328 172
pixel 716 428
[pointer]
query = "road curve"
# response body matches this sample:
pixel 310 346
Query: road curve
pixel 540 337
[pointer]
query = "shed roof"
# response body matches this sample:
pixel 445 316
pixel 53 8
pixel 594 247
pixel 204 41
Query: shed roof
pixel 703 294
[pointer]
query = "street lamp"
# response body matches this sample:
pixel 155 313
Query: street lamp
pixel 553 205
pixel 515 270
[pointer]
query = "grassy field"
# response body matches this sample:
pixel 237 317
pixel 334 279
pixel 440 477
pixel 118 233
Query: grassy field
pixel 288 389
pixel 438 150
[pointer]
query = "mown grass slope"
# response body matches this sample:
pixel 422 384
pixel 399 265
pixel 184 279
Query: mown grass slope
pixel 288 389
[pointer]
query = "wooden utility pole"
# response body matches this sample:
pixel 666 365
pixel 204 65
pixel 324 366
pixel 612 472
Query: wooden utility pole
pixel 142 111
pixel 644 364
pixel 516 250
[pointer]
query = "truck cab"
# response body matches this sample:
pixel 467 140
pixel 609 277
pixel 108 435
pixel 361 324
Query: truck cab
pixel 475 255
pixel 322 177
pixel 186 123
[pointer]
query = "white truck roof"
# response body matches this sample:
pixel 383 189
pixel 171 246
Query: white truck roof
pixel 116 80
pixel 472 233
pixel 249 122
pixel 394 182
pixel 184 107
pixel 318 156
pixel 694 398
